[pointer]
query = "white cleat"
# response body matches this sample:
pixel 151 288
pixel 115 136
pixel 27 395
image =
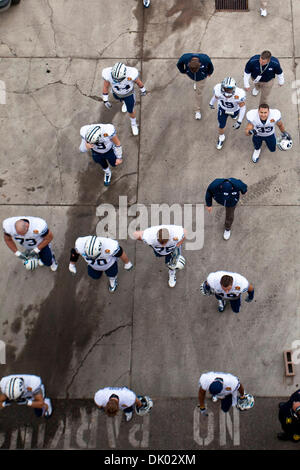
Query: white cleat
pixel 107 178
pixel 128 416
pixel 226 234
pixel 220 143
pixel 255 155
pixel 41 262
pixel 113 284
pixel 135 129
pixel 214 399
pixel 49 410
pixel 172 278
pixel 221 305
pixel 255 91
pixel 54 266
pixel 263 12
pixel 198 115
pixel 124 108
pixel 146 3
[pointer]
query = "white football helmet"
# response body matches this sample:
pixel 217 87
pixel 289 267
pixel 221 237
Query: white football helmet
pixel 245 404
pixel 228 86
pixel 92 247
pixel 284 143
pixel 177 261
pixel 14 388
pixel 146 407
pixel 93 134
pixel 31 264
pixel 118 72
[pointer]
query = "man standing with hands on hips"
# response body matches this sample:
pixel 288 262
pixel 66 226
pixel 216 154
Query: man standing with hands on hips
pixel 197 67
pixel 262 70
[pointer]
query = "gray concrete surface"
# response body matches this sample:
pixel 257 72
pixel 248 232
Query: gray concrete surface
pixel 158 341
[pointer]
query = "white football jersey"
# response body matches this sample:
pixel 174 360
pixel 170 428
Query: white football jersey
pixel 230 104
pixel 126 86
pixel 37 230
pixel 267 128
pixel 176 235
pixel 30 381
pixel 104 143
pixel 230 383
pixel 126 397
pixel 110 248
pixel 239 285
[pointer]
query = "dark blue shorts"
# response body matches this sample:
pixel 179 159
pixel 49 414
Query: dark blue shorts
pixel 167 257
pixel 235 303
pixel 103 158
pixel 270 141
pixel 222 117
pixel 110 272
pixel 128 100
pixel 46 256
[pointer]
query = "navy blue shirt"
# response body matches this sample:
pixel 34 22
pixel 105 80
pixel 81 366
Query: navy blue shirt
pixel 267 71
pixel 223 196
pixel 206 66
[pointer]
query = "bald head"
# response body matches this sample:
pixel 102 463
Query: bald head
pixel 22 226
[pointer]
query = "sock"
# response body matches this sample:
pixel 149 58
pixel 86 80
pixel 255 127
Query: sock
pixel 221 137
pixel 133 121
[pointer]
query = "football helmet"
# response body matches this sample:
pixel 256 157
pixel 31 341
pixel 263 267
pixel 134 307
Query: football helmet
pixel 14 388
pixel 118 72
pixel 246 403
pixel 92 247
pixel 147 404
pixel 93 134
pixel 285 142
pixel 31 264
pixel 228 86
pixel 177 261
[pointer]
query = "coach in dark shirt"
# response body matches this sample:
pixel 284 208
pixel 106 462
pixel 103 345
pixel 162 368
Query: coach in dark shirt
pixel 225 192
pixel 262 70
pixel 197 67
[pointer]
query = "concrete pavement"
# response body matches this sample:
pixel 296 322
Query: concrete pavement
pixel 158 341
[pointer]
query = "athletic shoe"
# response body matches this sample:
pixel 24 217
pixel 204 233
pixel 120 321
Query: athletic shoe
pixel 214 399
pixel 128 416
pixel 255 155
pixel 198 115
pixel 113 284
pixel 222 305
pixel 41 262
pixel 146 3
pixel 135 129
pixel 226 234
pixel 124 108
pixel 54 266
pixel 172 278
pixel 107 178
pixel 263 12
pixel 49 410
pixel 220 144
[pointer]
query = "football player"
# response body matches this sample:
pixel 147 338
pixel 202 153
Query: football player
pixel 25 389
pixel 105 146
pixel 227 286
pixel 121 79
pixel 231 102
pixel 33 236
pixel 261 125
pixel 112 399
pixel 164 240
pixel 101 255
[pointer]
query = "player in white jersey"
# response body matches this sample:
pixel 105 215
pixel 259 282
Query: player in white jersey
pixel 101 255
pixel 261 125
pixel 231 102
pixel 113 399
pixel 25 389
pixel 227 286
pixel 222 386
pixel 105 146
pixel 121 79
pixel 164 240
pixel 34 238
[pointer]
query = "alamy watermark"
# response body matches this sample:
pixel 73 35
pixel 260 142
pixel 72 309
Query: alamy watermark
pixel 121 222
pixel 2 352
